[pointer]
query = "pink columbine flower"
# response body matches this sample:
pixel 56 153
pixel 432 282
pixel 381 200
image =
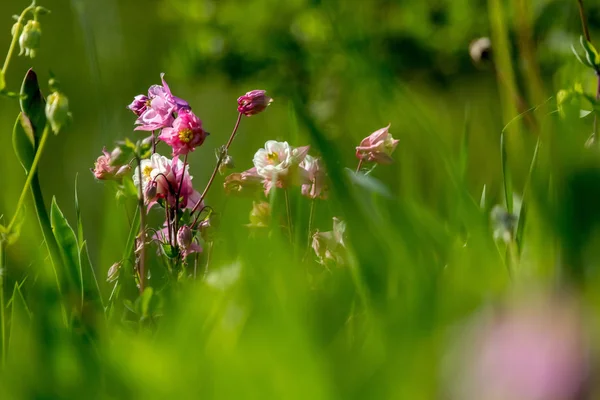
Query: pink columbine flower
pixel 377 147
pixel 185 135
pixel 253 102
pixel 104 170
pixel 166 175
pixel 158 109
pixel 278 164
pixel 315 187
pixel 243 183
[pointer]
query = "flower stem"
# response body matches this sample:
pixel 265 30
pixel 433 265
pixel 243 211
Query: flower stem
pixel 360 163
pixel 178 195
pixel 15 38
pixel 289 214
pixel 30 176
pixel 216 170
pixel 142 234
pixel 2 311
pixel 584 24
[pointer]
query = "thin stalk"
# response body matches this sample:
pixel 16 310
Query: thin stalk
pixel 179 194
pixel 360 163
pixel 288 210
pixel 142 234
pixel 30 175
pixel 2 311
pixel 311 216
pixel 15 38
pixel 214 173
pixel 584 24
pixel 153 143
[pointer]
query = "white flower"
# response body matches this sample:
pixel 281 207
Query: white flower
pixel 276 159
pixel 158 166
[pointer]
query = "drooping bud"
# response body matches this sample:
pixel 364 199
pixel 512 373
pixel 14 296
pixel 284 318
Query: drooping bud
pixel 29 41
pixel 113 272
pixel 185 237
pixel 151 191
pixel 226 164
pixel 139 104
pixel 57 110
pixel 253 102
pixel 480 50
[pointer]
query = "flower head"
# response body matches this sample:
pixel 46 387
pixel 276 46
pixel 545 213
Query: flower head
pixel 278 163
pixel 377 147
pixel 253 102
pixel 185 241
pixel 329 246
pixel 315 187
pixel 29 41
pixel 158 109
pixel 168 177
pixel 186 133
pixel 57 110
pixel 104 168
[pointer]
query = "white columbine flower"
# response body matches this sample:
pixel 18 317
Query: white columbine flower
pixel 277 158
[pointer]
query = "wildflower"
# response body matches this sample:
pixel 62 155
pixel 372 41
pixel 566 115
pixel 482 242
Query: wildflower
pixel 260 216
pixel 158 109
pixel 105 170
pixel 185 135
pixel 29 41
pixel 185 241
pixel 377 147
pixel 329 246
pixel 315 188
pixel 278 163
pixel 167 176
pixel 533 350
pixel 57 110
pixel 253 102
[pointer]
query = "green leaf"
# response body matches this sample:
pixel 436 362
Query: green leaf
pixel 144 302
pixel 23 141
pixel 591 53
pixel 482 200
pixel 506 177
pixel 67 244
pixel 19 324
pixel 581 60
pixel 170 251
pixel 135 227
pixel 80 239
pixel 464 148
pixel 90 281
pixel 33 104
pixel 368 183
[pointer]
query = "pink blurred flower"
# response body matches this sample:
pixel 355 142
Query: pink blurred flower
pixel 243 183
pixel 185 135
pixel 185 241
pixel 377 147
pixel 104 170
pixel 315 188
pixel 253 102
pixel 329 246
pixel 158 109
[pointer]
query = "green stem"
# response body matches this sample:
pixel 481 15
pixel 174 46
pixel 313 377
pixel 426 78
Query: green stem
pixel 30 175
pixel 2 313
pixel 15 38
pixel 289 215
pixel 142 234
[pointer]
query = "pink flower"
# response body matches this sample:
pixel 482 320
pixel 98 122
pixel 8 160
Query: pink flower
pixel 315 188
pixel 103 170
pixel 377 147
pixel 278 163
pixel 156 111
pixel 243 183
pixel 167 176
pixel 253 102
pixel 185 135
pixel 185 241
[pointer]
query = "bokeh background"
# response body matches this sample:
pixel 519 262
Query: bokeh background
pixel 354 67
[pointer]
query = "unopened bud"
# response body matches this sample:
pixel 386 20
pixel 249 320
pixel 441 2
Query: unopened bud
pixel 113 272
pixel 253 102
pixel 151 191
pixel 29 41
pixel 57 110
pixel 226 164
pixel 481 50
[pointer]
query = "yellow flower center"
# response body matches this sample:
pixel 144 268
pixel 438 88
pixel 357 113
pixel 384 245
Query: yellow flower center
pixel 147 171
pixel 186 135
pixel 272 158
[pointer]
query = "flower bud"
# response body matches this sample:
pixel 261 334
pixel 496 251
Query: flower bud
pixel 184 237
pixel 139 104
pixel 253 102
pixel 57 110
pixel 113 272
pixel 151 191
pixel 29 41
pixel 480 50
pixel 226 164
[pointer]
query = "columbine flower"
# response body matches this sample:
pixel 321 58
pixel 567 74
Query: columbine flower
pixel 185 241
pixel 253 102
pixel 105 170
pixel 185 135
pixel 329 246
pixel 377 147
pixel 29 41
pixel 315 188
pixel 166 175
pixel 159 107
pixel 278 163
pixel 243 183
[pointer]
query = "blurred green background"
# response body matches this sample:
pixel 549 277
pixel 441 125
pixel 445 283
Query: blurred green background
pixel 353 67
